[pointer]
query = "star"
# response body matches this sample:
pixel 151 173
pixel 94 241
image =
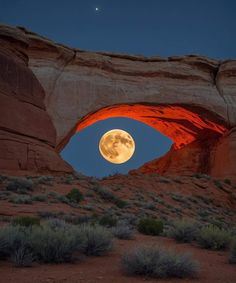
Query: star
pixel 96 9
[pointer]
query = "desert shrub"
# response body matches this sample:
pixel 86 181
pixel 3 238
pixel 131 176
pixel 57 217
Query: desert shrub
pixel 150 205
pixel 12 240
pixel 42 243
pixel 68 179
pixel 183 231
pixel 3 244
pixel 56 223
pixel 97 239
pixel 214 238
pixel 52 194
pixel 123 231
pixel 153 261
pixel 232 255
pixel 129 218
pixel 20 185
pixel 150 226
pixel 45 180
pixel 120 203
pixel 26 221
pixel 55 245
pixel 4 195
pixel 178 197
pixel 108 221
pixel 23 256
pixel 75 195
pixel 21 200
pixel 5 218
pixel 218 184
pixel 62 198
pixel 104 193
pixel 78 219
pixel 200 176
pixel 88 207
pixel 46 214
pixel 41 197
pixel 233 231
pixel 3 178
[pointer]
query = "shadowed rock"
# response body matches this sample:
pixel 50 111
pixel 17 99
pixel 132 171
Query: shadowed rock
pixel 190 99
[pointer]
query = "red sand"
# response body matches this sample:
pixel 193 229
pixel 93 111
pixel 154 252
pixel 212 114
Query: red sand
pixel 213 267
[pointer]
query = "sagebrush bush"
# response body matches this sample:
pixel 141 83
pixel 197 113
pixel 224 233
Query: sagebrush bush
pixel 75 195
pixel 153 261
pixel 232 255
pixel 108 221
pixel 21 199
pixel 97 239
pixel 52 242
pixel 46 180
pixel 3 244
pixel 55 223
pixel 68 179
pixel 120 203
pixel 104 193
pixel 62 198
pixel 20 185
pixel 218 184
pixel 150 226
pixel 40 197
pixel 123 231
pixel 22 257
pixel 3 178
pixel 214 238
pixel 12 240
pixel 55 245
pixel 184 231
pixel 26 221
pixel 42 243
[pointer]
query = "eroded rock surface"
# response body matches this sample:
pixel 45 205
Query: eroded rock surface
pixel 27 135
pixel 191 99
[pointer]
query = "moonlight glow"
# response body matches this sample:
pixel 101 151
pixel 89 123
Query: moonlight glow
pixel 117 146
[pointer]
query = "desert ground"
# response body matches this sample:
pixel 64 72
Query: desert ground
pixel 213 267
pixel 198 197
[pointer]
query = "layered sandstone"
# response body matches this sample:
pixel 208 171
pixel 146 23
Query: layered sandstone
pixel 190 99
pixel 27 135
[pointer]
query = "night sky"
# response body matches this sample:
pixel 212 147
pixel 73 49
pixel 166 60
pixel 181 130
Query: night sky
pixel 146 27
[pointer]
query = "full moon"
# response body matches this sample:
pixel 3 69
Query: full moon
pixel 117 146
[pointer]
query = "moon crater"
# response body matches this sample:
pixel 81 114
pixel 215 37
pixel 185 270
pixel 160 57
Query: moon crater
pixel 117 146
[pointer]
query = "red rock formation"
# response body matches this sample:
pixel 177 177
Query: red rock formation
pixel 27 136
pixel 181 123
pixel 192 158
pixel 223 156
pixel 190 99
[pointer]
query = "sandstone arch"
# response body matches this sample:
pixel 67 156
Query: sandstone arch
pixel 182 124
pixel 190 98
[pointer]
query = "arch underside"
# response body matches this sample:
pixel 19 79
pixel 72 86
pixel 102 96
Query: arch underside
pixel 181 123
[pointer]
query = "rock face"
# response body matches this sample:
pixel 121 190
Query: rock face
pixel 223 156
pixel 191 99
pixel 27 135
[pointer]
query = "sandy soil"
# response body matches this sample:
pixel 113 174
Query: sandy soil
pixel 198 196
pixel 213 267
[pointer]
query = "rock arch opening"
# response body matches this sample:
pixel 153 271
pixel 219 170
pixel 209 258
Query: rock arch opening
pixel 82 151
pixel 192 130
pixel 56 91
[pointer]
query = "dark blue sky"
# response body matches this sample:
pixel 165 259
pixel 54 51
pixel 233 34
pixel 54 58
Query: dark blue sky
pixel 148 27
